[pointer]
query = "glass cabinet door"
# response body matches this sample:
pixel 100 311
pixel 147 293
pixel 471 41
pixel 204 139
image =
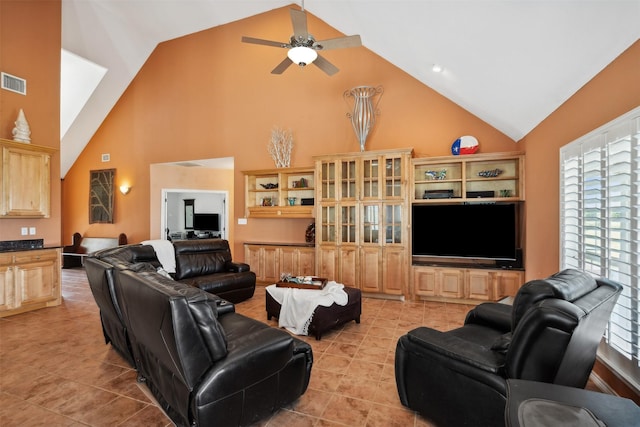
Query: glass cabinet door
pixel 370 179
pixel 393 223
pixel 393 177
pixel 371 224
pixel 328 224
pixel 328 180
pixel 348 178
pixel 348 224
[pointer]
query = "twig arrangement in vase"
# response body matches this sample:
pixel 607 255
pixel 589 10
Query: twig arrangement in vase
pixel 280 147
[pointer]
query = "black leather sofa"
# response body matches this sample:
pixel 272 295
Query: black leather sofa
pixel 207 264
pixel 203 263
pixel 205 364
pixel 550 335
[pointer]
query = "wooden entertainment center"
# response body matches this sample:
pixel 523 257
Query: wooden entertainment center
pixel 477 178
pixel 362 206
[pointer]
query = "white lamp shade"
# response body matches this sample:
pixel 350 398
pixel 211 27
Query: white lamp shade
pixel 302 55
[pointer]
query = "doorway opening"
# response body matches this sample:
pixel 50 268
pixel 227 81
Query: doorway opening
pixel 193 214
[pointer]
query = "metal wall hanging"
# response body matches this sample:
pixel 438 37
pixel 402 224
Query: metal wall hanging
pixel 364 111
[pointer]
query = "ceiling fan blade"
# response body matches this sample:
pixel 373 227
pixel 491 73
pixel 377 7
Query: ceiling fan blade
pixel 299 21
pixel 281 67
pixel 339 43
pixel 325 66
pixel 264 42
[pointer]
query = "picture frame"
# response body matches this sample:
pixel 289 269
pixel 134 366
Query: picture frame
pixel 101 196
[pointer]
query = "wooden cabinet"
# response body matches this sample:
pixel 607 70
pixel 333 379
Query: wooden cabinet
pixel 279 193
pixel 361 220
pixel 480 286
pixel 268 261
pixel 437 282
pixel 509 281
pixel 299 261
pixel 24 180
pixel 464 285
pixel 490 177
pixel 7 284
pixel 29 280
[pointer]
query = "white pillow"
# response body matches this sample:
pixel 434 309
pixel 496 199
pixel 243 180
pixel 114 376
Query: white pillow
pixel 165 252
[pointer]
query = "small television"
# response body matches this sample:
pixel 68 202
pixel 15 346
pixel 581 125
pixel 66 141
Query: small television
pixel 206 222
pixel 468 231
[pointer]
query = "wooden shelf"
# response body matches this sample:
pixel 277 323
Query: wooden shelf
pixel 461 176
pixel 291 185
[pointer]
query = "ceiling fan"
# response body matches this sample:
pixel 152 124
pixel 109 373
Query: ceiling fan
pixel 303 47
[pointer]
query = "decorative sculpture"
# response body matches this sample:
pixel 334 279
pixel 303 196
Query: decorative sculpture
pixel 21 132
pixel 364 111
pixel 280 147
pixel 490 173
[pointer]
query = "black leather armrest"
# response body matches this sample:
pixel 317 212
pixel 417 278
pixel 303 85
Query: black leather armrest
pixel 237 267
pixel 491 314
pixel 427 340
pixel 224 306
pixel 302 347
pixel 250 359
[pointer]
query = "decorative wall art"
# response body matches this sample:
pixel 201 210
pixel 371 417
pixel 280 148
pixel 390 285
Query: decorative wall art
pixel 101 196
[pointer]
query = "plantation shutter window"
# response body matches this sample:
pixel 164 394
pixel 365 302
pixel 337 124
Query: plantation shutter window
pixel 599 227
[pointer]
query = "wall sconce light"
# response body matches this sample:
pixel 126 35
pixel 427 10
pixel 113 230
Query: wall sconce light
pixel 124 189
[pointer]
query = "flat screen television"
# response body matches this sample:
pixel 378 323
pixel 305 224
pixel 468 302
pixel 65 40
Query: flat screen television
pixel 206 222
pixel 470 231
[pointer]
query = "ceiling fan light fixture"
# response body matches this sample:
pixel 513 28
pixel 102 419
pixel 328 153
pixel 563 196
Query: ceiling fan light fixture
pixel 302 55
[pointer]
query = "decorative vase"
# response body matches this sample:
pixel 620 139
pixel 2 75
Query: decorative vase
pixel 310 233
pixel 364 111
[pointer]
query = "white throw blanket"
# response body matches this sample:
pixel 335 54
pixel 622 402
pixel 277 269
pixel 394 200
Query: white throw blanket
pixel 165 252
pixel 298 305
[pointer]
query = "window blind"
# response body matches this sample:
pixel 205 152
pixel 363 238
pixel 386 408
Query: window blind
pixel 599 227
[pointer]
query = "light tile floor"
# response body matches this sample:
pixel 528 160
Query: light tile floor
pixel 55 369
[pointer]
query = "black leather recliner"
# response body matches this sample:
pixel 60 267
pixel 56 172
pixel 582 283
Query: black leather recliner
pixel 550 334
pixel 206 368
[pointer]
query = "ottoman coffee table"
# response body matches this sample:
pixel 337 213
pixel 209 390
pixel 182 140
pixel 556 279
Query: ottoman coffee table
pixel 325 318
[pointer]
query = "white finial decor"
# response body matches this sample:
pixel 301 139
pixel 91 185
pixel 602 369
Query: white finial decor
pixel 280 147
pixel 21 132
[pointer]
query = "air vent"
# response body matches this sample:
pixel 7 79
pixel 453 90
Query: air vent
pixel 13 83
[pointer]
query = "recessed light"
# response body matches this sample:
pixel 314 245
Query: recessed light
pixel 436 68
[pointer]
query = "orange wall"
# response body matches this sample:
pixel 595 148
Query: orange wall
pixel 208 95
pixel 610 94
pixel 30 42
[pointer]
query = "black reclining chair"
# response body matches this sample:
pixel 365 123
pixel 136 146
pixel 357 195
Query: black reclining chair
pixel 550 334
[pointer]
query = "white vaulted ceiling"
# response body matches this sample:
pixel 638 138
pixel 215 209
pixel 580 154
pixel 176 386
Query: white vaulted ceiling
pixel 509 62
